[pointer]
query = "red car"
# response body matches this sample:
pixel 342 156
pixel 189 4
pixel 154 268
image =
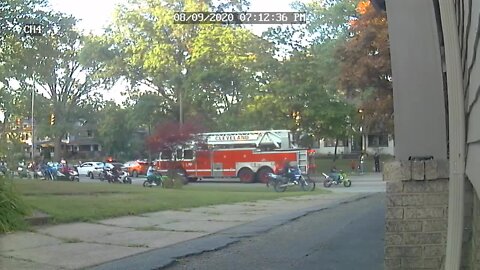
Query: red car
pixel 135 168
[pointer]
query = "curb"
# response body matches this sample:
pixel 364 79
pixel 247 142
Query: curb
pixel 38 218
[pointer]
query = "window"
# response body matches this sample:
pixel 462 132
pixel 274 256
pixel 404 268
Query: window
pixel 95 147
pixel 84 148
pixel 331 143
pixel 378 140
pixel 90 134
pixel 179 153
pixel 187 154
pixel 166 155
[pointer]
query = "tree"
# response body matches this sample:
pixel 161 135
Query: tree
pixel 146 111
pixel 14 101
pixel 197 69
pixel 329 19
pixel 114 130
pixel 228 65
pixel 366 70
pixel 170 136
pixel 58 67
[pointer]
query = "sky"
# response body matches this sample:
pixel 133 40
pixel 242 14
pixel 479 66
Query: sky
pixel 94 15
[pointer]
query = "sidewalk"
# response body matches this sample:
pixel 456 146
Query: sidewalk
pixel 81 245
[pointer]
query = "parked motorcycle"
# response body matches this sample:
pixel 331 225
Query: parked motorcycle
pixel 69 175
pixel 111 177
pixel 38 174
pixel 336 178
pixel 281 182
pixel 22 172
pixel 4 171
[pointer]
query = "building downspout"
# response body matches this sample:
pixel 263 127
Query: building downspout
pixel 456 119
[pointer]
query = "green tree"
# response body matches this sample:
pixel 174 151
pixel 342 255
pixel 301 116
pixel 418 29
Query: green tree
pixel 305 87
pixel 114 130
pixel 15 101
pixel 58 67
pixel 146 111
pixel 197 69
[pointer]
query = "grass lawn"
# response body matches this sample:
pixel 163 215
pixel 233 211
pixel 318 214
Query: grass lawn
pixel 70 201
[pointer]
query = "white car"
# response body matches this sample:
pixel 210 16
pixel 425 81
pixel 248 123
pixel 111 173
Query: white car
pixel 90 169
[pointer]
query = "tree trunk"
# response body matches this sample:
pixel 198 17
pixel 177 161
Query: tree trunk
pixel 148 148
pixel 336 147
pixel 57 154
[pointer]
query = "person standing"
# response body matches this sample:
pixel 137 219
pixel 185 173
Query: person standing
pixel 376 159
pixel 362 163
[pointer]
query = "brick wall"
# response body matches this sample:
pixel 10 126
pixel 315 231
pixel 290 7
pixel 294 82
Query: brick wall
pixel 416 218
pixel 472 249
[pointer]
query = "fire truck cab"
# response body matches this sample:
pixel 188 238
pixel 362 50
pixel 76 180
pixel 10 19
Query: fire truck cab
pixel 248 155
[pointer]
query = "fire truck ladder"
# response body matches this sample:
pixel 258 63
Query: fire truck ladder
pixel 302 157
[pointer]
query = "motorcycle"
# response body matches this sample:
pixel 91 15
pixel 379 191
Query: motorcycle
pixel 38 174
pixel 155 180
pixel 336 178
pixel 22 172
pixel 125 178
pixel 4 171
pixel 122 177
pixel 69 175
pixel 281 182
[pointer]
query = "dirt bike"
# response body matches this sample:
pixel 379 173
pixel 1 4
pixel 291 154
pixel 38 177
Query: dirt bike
pixel 154 180
pixel 295 177
pixel 336 178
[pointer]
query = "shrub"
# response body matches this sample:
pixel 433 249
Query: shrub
pixel 173 180
pixel 12 208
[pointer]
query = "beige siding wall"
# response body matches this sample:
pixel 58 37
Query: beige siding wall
pixel 469 22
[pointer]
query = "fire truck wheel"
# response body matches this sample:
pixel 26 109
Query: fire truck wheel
pixel 246 175
pixel 262 174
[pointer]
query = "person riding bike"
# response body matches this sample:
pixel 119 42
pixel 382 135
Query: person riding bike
pixel 289 168
pixel 116 171
pixel 335 174
pixel 153 176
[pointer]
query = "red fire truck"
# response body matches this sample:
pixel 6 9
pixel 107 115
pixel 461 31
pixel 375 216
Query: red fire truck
pixel 248 155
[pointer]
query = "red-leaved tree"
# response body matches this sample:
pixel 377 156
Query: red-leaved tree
pixel 366 70
pixel 170 136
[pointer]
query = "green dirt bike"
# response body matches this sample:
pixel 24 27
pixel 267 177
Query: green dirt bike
pixel 336 178
pixel 155 180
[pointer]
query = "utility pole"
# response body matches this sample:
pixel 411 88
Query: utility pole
pixel 181 107
pixel 33 127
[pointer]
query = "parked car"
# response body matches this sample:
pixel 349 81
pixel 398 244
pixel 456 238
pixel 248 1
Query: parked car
pixel 114 164
pixel 137 167
pixel 90 169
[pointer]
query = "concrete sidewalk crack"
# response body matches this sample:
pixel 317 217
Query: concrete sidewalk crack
pixel 32 261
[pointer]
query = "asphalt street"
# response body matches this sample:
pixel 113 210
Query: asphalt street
pixel 349 236
pixel 368 183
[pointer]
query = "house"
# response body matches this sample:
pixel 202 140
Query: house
pixel 79 143
pixel 381 143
